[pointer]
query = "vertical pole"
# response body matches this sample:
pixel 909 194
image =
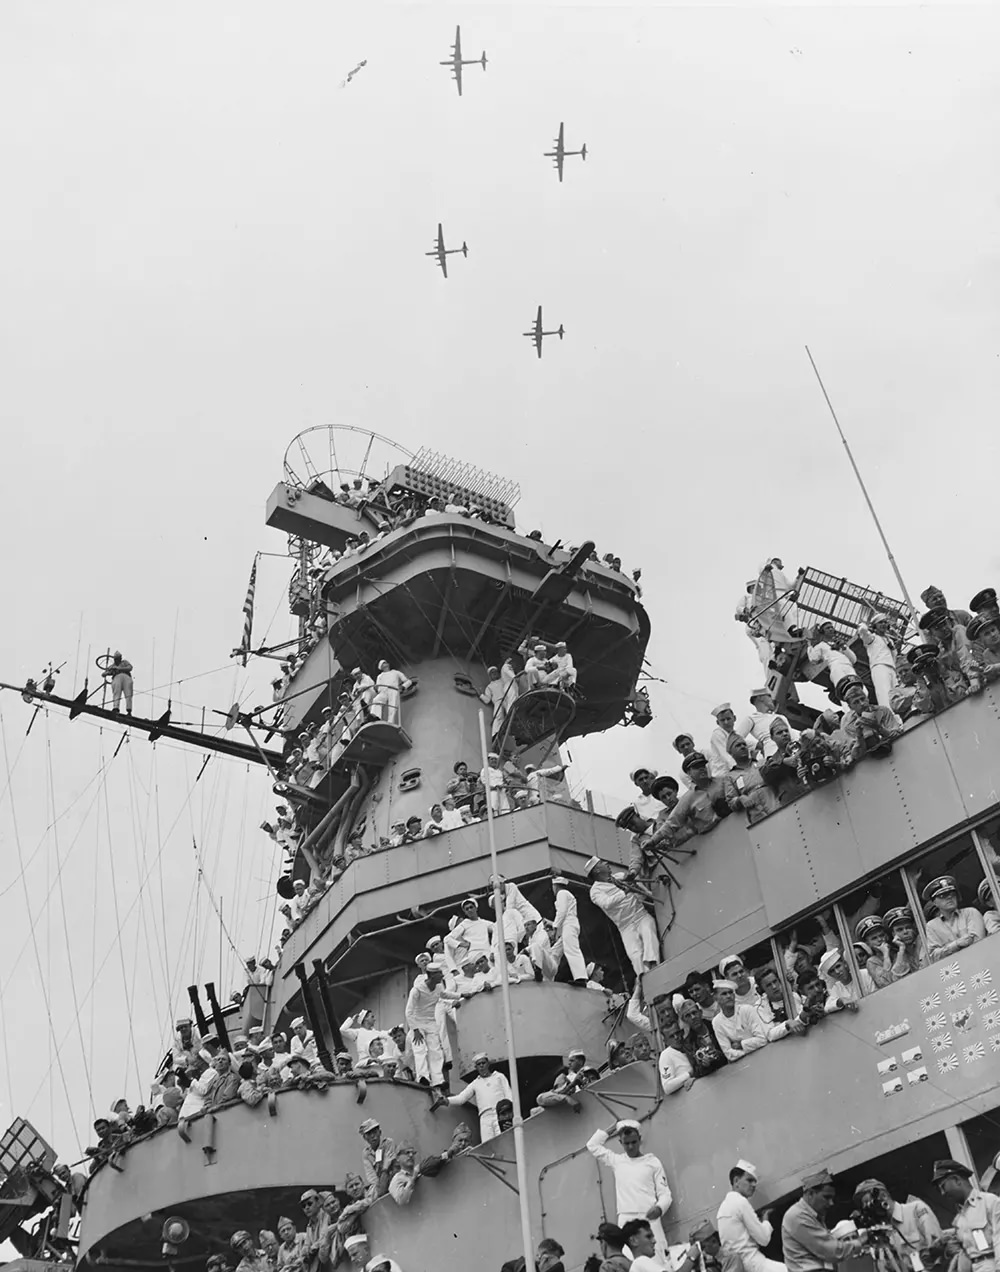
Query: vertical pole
pixel 522 1174
pixel 864 488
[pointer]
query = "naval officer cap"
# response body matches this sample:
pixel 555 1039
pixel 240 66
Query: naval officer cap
pixel 939 887
pixel 694 760
pixel 870 923
pixel 947 1166
pixel 816 1179
pixel 898 916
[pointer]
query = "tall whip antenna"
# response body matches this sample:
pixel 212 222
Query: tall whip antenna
pixel 864 488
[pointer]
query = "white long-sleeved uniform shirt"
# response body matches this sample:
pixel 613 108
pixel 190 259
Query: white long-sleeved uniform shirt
pixel 421 1004
pixel 477 933
pixel 196 1096
pixel 485 1093
pixel 565 910
pixel 740 1231
pixel 719 760
pixel 640 1182
pixel 675 1069
pixel 540 953
pixel 838 662
pixel 514 899
pixel 623 908
pixel 306 1048
pixel 743 1026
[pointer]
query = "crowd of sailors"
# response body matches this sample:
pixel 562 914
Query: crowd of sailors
pixel 327 1229
pixel 391 510
pixel 535 664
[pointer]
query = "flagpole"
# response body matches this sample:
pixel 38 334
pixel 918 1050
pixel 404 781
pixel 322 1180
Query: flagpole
pixel 864 488
pixel 522 1173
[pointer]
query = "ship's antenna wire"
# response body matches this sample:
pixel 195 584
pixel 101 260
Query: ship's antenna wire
pixel 864 488
pixel 65 920
pixel 522 1173
pixel 118 938
pixel 34 941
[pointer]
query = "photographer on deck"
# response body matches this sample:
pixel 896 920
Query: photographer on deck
pixel 912 1225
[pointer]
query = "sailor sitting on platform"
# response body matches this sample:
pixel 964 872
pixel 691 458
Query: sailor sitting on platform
pixel 572 1078
pixel 563 674
pixel 538 666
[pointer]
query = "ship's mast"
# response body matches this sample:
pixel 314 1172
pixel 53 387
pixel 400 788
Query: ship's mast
pixel 508 1016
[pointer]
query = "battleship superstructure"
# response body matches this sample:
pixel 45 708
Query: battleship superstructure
pixel 441 597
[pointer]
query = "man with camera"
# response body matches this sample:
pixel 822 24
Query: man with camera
pixel 911 1227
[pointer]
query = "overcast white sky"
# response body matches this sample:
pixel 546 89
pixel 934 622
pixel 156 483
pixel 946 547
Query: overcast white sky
pixel 208 244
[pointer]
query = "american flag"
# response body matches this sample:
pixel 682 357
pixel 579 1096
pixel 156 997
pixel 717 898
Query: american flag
pixel 244 648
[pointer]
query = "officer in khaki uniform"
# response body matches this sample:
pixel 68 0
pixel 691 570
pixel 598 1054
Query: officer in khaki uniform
pixel 977 1217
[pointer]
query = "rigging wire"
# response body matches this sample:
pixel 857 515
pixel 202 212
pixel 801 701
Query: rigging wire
pixel 38 847
pixel 140 836
pixel 118 940
pixel 242 875
pixel 34 940
pixel 65 922
pixel 113 945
